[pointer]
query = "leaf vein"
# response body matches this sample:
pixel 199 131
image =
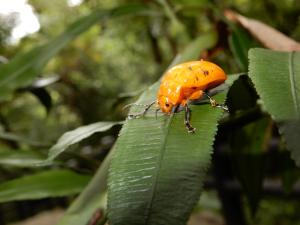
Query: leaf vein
pixel 293 83
pixel 159 163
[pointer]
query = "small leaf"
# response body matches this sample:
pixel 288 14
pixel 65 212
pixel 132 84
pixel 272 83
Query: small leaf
pixel 72 137
pixel 276 77
pixel 158 169
pixel 46 184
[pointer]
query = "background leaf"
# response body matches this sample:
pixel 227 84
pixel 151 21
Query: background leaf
pixel 248 145
pixel 240 43
pixel 82 209
pixel 21 158
pixel 273 40
pixel 14 137
pixel 158 168
pixel 276 77
pixel 25 67
pixel 72 137
pixel 52 183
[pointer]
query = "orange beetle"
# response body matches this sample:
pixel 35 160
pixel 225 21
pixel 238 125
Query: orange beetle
pixel 185 82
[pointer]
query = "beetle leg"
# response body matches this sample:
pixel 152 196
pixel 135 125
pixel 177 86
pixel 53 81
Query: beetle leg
pixel 213 103
pixel 175 109
pixel 187 119
pixel 147 107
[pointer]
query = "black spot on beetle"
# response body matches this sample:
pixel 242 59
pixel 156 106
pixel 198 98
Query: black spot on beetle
pixel 194 88
pixel 167 105
pixel 190 68
pixel 205 72
pixel 197 78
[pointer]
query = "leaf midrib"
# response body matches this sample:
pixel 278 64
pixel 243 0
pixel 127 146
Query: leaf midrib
pixel 159 163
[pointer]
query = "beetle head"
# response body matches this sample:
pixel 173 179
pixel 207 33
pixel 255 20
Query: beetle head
pixel 165 104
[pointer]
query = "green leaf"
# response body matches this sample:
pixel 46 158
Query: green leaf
pixel 14 137
pixel 25 67
pixel 75 136
pixel 53 183
pixel 82 209
pixel 290 174
pixel 158 169
pixel 241 96
pixel 276 77
pixel 19 158
pixel 248 144
pixel 240 43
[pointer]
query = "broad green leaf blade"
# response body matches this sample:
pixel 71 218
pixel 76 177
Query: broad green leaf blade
pixel 158 168
pixel 276 77
pixel 82 209
pixel 25 67
pixel 46 184
pixel 248 144
pixel 75 136
pixel 157 171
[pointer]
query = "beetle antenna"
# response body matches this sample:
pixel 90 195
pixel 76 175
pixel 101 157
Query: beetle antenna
pixel 147 107
pixel 131 104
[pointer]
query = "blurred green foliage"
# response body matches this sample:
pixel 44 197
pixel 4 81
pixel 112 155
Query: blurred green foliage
pixel 107 66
